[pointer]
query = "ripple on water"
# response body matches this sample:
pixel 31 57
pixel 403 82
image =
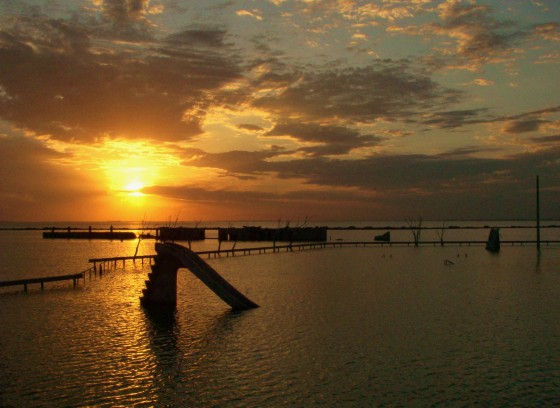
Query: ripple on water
pixel 335 328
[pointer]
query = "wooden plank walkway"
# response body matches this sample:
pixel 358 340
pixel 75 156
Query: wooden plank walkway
pixel 316 245
pixel 112 261
pixel 341 244
pixel 73 277
pixel 99 264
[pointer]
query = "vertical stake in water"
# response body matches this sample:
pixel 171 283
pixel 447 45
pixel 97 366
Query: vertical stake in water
pixel 538 218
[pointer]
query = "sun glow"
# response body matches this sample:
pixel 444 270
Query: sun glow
pixel 134 188
pixel 131 167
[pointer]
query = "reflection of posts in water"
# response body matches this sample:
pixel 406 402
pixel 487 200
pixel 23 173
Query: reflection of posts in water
pixel 163 336
pixel 441 233
pixel 538 218
pixel 177 352
pixel 161 319
pixel 538 264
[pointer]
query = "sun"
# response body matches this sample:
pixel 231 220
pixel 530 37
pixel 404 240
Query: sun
pixel 134 188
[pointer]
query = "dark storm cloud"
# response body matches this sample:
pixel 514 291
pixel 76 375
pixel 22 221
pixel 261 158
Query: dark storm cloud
pixel 316 205
pixel 214 38
pixel 70 80
pixel 399 172
pixel 250 127
pixel 528 121
pixel 467 151
pixel 521 123
pixel 258 200
pixel 332 140
pixel 190 68
pixel 232 162
pixel 124 19
pixel 525 122
pixel 56 80
pixel 477 36
pixel 23 150
pixel 124 11
pixel 205 195
pixel 524 126
pixel 243 197
pixel 453 170
pixel 546 139
pixel 482 35
pixel 546 111
pixel 271 71
pixel 449 185
pixel 454 119
pixel 386 89
pixel 33 182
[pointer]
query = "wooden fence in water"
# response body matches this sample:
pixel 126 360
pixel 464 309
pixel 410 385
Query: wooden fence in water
pixel 317 245
pixel 42 280
pixel 100 264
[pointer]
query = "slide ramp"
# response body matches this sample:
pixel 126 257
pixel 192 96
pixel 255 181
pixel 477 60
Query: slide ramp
pixel 175 256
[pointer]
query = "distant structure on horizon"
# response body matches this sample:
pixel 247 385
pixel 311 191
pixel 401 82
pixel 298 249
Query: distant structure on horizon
pixel 180 234
pixel 286 234
pixel 383 237
pixel 493 243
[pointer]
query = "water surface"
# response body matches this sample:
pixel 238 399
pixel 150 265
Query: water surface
pixel 336 327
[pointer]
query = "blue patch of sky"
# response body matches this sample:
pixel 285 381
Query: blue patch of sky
pixel 527 11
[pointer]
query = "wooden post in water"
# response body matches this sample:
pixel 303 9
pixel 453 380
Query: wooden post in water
pixel 538 218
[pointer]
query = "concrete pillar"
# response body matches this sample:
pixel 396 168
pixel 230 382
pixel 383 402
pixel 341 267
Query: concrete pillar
pixel 161 288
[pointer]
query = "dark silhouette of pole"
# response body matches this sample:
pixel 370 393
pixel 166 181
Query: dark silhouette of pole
pixel 538 218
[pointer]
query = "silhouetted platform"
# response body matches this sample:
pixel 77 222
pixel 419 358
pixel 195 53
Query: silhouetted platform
pixel 90 235
pixel 286 234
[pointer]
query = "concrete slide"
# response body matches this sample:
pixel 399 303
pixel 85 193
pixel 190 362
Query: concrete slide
pixel 178 256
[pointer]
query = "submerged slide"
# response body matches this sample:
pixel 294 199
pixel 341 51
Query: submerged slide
pixel 178 256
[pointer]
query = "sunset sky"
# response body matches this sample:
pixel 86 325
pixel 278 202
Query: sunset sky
pixel 279 109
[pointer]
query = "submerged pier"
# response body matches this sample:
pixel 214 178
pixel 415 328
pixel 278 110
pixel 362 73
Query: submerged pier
pixel 42 280
pixel 114 261
pixel 100 264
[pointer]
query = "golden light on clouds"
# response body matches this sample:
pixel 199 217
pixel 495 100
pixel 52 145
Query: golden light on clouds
pixel 122 108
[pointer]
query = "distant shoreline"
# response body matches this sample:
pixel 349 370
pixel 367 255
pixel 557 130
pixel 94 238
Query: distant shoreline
pixel 347 228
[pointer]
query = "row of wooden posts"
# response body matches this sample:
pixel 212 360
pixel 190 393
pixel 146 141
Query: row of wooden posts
pixel 102 264
pixel 315 245
pixel 42 280
pixel 99 266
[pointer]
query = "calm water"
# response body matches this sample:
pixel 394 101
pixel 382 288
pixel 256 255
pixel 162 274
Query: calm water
pixel 336 327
